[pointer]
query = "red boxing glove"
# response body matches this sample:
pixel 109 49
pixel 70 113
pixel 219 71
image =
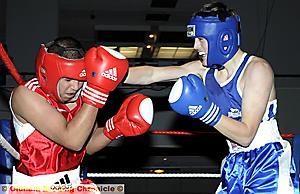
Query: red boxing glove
pixel 133 118
pixel 105 69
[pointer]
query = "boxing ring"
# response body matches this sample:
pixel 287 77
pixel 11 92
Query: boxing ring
pixel 8 155
pixel 157 176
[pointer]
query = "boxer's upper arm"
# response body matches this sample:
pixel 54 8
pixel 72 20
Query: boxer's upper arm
pixel 143 75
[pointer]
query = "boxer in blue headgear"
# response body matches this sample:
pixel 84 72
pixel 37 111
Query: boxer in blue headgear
pixel 221 30
pixel 236 96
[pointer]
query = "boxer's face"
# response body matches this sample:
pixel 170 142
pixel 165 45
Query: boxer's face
pixel 201 45
pixel 67 88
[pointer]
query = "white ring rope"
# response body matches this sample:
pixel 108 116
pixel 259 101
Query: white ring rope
pixel 6 145
pixel 152 175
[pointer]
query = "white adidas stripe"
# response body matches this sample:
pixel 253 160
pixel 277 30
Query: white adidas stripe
pixel 208 114
pixel 110 125
pixel 95 92
pixel 94 99
pixel 32 84
pixel 213 115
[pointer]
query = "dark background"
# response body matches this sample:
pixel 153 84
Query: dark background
pixel 269 29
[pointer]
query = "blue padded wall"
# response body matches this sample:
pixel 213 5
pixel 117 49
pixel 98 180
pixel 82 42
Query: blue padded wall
pixel 6 160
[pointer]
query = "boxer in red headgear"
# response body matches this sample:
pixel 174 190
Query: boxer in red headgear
pixel 54 115
pixel 50 67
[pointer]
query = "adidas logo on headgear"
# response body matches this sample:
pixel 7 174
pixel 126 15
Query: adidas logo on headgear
pixel 82 73
pixel 110 74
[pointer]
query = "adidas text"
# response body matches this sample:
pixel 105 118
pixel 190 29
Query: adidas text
pixel 109 76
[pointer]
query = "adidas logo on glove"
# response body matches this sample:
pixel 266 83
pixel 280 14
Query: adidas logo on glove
pixel 111 74
pixel 194 109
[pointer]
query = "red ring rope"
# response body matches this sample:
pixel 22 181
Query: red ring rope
pixel 193 133
pixel 10 66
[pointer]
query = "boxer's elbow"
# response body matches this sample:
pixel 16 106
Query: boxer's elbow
pixel 247 139
pixel 73 145
pixel 245 142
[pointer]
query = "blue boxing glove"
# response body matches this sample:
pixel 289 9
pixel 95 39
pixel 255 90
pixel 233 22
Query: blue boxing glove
pixel 189 97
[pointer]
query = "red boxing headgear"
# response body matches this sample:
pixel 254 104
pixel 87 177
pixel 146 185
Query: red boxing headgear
pixel 50 68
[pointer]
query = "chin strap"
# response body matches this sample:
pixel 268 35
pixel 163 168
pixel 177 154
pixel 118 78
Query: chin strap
pixel 217 66
pixel 214 66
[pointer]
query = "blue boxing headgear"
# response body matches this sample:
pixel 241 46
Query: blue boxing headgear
pixel 223 37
